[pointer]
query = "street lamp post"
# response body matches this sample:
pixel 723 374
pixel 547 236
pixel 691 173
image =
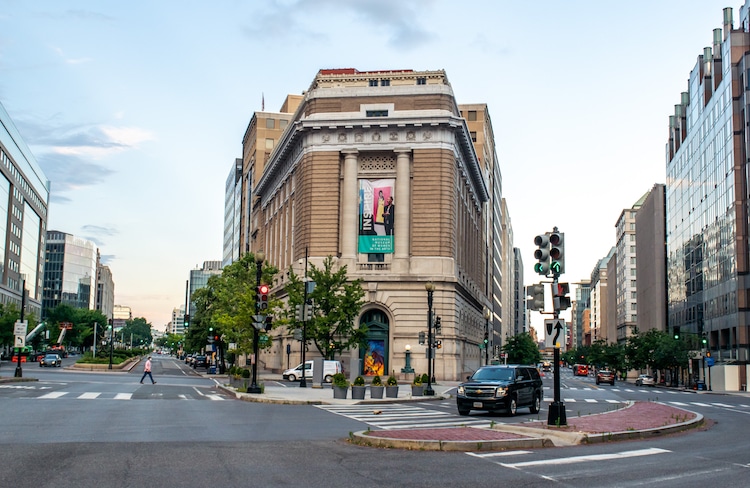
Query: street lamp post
pixel 259 258
pixel 19 370
pixel 111 341
pixel 430 287
pixel 487 315
pixel 407 367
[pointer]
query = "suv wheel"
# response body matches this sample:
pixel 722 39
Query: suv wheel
pixel 463 411
pixel 292 377
pixel 536 406
pixel 512 406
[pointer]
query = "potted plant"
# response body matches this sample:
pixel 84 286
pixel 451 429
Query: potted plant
pixel 245 377
pixel 358 388
pixel 391 387
pixel 376 387
pixel 340 386
pixel 417 389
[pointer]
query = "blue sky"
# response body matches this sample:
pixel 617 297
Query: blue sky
pixel 136 110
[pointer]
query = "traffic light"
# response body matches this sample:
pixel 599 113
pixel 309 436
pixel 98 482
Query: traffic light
pixel 560 296
pixel 298 313
pixel 542 254
pixel 486 338
pixel 263 298
pixel 211 337
pixel 557 252
pixel 536 293
pixel 438 344
pixel 704 341
pixel 676 333
pixel 186 320
pixel 421 338
pixel 308 312
pixel 438 325
pixel 269 323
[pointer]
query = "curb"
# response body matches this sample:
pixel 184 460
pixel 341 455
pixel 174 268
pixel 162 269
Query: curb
pixel 362 439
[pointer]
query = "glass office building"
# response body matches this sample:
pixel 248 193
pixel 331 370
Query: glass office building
pixel 70 272
pixel 707 198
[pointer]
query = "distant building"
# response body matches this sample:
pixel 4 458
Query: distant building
pixel 24 197
pixel 600 301
pixel 105 291
pixel 199 279
pixel 232 214
pixel 651 267
pixel 120 315
pixel 580 325
pixel 177 324
pixel 70 272
pixel 625 277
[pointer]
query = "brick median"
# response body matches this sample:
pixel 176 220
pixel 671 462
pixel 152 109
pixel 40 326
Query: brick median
pixel 638 416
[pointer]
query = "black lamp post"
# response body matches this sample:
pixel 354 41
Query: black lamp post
pixel 430 287
pixel 487 315
pixel 111 341
pixel 259 258
pixel 19 371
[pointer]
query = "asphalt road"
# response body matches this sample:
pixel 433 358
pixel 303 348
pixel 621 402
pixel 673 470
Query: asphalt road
pixel 106 429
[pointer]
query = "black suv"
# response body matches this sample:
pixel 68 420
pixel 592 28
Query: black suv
pixel 505 388
pixel 201 361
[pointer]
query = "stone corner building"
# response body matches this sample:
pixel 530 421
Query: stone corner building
pixel 341 151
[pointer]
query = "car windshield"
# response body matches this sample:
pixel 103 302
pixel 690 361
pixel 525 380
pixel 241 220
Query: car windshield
pixel 50 356
pixel 494 374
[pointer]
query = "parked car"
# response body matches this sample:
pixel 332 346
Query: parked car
pixel 645 380
pixel 501 388
pixel 51 360
pixel 199 361
pixel 330 368
pixel 605 376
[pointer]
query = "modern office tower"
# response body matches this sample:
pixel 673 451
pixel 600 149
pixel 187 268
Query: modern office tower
pixel 24 197
pixel 105 291
pixel 708 257
pixel 199 279
pixel 600 300
pixel 579 314
pixel 356 141
pixel 232 214
pixel 625 311
pixel 651 249
pixel 70 272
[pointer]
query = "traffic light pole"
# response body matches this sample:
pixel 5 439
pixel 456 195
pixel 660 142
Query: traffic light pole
pixel 557 407
pixel 303 382
pixel 259 258
pixel 430 290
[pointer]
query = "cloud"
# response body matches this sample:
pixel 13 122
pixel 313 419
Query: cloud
pixel 99 230
pixel 398 19
pixel 107 259
pixel 70 60
pixel 68 172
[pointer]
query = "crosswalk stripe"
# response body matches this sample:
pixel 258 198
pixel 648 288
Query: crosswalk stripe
pixel 679 404
pixel 88 396
pixel 54 394
pixel 123 396
pixel 587 458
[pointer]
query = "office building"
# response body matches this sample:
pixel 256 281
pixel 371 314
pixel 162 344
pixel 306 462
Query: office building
pixel 24 197
pixel 199 278
pixel 651 266
pixel 70 272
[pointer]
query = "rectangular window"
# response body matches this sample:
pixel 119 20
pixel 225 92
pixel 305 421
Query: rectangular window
pixel 270 123
pixel 269 143
pixel 472 116
pixel 385 82
pixel 376 113
pixel 373 82
pixel 421 81
pixel 283 123
pixel 473 136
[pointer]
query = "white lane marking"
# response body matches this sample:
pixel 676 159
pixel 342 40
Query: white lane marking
pixel 198 391
pixel 88 396
pixel 497 454
pixel 592 457
pixel 590 400
pixel 184 397
pixel 54 394
pixel 613 401
pixel 215 397
pixel 123 396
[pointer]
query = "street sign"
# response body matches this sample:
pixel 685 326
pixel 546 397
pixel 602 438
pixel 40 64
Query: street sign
pixel 710 361
pixel 553 330
pixel 20 341
pixel 259 318
pixel 20 327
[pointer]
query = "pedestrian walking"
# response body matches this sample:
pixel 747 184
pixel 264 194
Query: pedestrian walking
pixel 147 371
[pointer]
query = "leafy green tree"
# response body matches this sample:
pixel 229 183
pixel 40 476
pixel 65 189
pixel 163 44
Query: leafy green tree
pixel 83 320
pixel 521 349
pixel 227 303
pixel 137 330
pixel 336 303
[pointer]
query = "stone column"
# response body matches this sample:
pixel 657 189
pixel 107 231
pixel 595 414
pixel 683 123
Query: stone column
pixel 402 202
pixel 349 210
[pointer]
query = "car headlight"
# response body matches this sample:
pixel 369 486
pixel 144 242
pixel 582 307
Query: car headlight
pixel 460 390
pixel 500 392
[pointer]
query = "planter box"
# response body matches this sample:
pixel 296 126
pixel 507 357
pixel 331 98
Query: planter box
pixel 391 391
pixel 377 391
pixel 358 392
pixel 417 390
pixel 340 392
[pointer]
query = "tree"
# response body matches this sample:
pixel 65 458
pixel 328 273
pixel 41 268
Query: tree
pixel 137 331
pixel 227 303
pixel 336 303
pixel 521 349
pixel 83 320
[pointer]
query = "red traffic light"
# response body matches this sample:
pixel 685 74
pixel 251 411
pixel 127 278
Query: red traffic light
pixel 263 289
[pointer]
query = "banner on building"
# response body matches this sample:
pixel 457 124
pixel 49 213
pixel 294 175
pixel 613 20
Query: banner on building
pixel 377 212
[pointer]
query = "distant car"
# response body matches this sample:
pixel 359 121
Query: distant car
pixel 605 376
pixel 189 358
pixel 645 380
pixel 200 361
pixel 51 360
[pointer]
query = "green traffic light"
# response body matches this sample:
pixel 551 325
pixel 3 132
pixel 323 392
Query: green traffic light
pixel 555 267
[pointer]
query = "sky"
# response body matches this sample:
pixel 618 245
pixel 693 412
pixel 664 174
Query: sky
pixel 136 110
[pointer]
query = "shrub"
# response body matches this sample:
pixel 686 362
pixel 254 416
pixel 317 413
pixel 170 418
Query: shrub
pixel 391 381
pixel 425 378
pixel 376 381
pixel 359 381
pixel 417 380
pixel 245 373
pixel 339 379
